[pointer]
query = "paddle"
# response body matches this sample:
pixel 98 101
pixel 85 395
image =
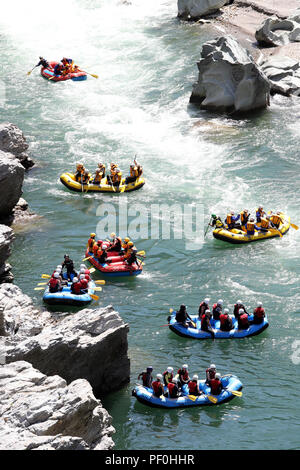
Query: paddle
pixel 39 288
pixel 192 322
pixel 276 231
pixel 141 253
pixel 45 276
pixel 28 73
pixel 85 259
pixel 97 289
pixel 207 227
pixel 101 281
pixel 42 283
pixel 95 297
pixel 235 392
pixel 210 397
pixel 294 226
pixel 91 74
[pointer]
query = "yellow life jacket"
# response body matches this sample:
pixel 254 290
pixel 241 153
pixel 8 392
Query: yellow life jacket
pixel 228 219
pixel 250 226
pixel 264 223
pixel 276 219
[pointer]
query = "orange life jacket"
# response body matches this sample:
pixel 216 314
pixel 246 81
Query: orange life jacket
pixel 228 219
pixel 264 223
pixel 276 219
pixel 250 226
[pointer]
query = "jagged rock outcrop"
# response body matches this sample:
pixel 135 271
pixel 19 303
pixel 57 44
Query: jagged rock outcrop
pixel 12 140
pixel 283 74
pixel 6 238
pixel 229 79
pixel 278 32
pixel 11 181
pixel 192 9
pixel 89 344
pixel 44 413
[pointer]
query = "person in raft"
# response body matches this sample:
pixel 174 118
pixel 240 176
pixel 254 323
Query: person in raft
pixel 115 244
pixel 133 174
pixel 146 377
pixel 205 323
pixel 80 170
pixel 203 307
pixel 91 242
pixel 251 227
pixel 276 219
pixel 173 389
pixel 215 384
pixel 245 214
pixel 239 305
pixel 216 221
pixel 101 254
pixel 217 309
pixel 194 387
pixel 210 373
pixel 43 63
pixel 130 255
pixel 69 265
pixel 259 314
pixel 243 322
pixel 99 174
pixel 157 385
pixel 55 283
pixel 183 375
pixel 225 321
pixel 67 65
pixel 168 375
pixel 259 213
pixel 58 69
pixel 231 220
pixel 183 317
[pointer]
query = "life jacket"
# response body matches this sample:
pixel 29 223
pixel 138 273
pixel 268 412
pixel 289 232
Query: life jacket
pixel 84 284
pixel 219 223
pixel 172 388
pixel 215 386
pixel 193 387
pixel 250 226
pixel 224 319
pixel 244 319
pixel 259 312
pixel 216 311
pixel 95 249
pixel 130 252
pixel 53 284
pixel 133 172
pixel 183 375
pixel 244 218
pixel 168 377
pixel 140 170
pixel 91 243
pixel 204 321
pixel 99 252
pixel 264 223
pixel 228 220
pixel 156 385
pixel 275 219
pixel 98 176
pixel 76 288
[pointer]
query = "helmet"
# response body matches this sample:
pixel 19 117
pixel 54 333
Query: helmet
pixel 126 239
pixel 220 302
pixel 130 243
pixel 149 368
pixel 79 165
pixel 104 246
pixel 195 377
pixel 82 270
pixel 260 207
pixel 75 279
pixel 226 310
pixel 232 212
pixel 159 376
pixel 112 235
pixel 212 366
pixel 214 216
pixel 92 235
pixel 185 366
pixel 174 381
pixel 259 304
pixel 207 311
pixel 100 165
pixel 99 242
pixel 66 256
pixel 56 275
pixel 241 310
pixel 170 369
pixel 206 300
pixel 59 266
pixel 239 302
pixel 82 266
pixel 81 276
pixel 58 270
pixel 218 376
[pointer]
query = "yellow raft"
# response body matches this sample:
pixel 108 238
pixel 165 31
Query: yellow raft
pixel 68 179
pixel 238 236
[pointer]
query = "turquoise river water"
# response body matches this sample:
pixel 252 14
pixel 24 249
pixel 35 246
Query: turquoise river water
pixel 146 62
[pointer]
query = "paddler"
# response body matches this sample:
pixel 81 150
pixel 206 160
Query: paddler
pixel 58 69
pixel 210 373
pixel 265 223
pixel 243 321
pixel 194 387
pixel 131 254
pixel 205 323
pixel 259 314
pixel 96 248
pixel 231 220
pixel 69 265
pixel 85 177
pixel 91 242
pixel 43 62
pixel 76 286
pixel 113 167
pixel 276 219
pixel 116 176
pixel 68 65
pixel 158 388
pixel 239 305
pixel 216 221
pixel 173 389
pixel 183 317
pixel 125 243
pixel 99 174
pixel 146 377
pixel 79 172
pixel 116 243
pixel 102 253
pixel 245 214
pixel 168 375
pixel 259 213
pixel 225 321
pixel 217 309
pixel 55 283
pixel 203 307
pixel 133 174
pixel 183 375
pixel 139 168
pixel 216 386
pixel 251 227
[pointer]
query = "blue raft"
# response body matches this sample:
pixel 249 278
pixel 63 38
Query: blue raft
pixel 197 333
pixel 65 297
pixel 230 383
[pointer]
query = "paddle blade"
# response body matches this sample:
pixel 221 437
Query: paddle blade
pixel 98 289
pixel 45 276
pixel 141 253
pixel 42 283
pixel 28 73
pixel 192 397
pixel 236 393
pixel 95 297
pixel 212 399
pixel 85 259
pixel 100 282
pixel 39 288
pixel 92 270
pixel 295 226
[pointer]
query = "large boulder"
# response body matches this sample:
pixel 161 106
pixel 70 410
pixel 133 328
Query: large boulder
pixel 90 344
pixel 229 79
pixel 283 74
pixel 11 180
pixel 278 32
pixel 6 238
pixel 12 140
pixel 197 8
pixel 44 413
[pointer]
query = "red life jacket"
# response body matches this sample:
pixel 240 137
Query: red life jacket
pixel 259 312
pixel 192 387
pixel 156 385
pixel 53 283
pixel 84 284
pixel 76 287
pixel 215 386
pixel 244 319
pixel 183 375
pixel 204 321
pixel 223 318
pixel 171 387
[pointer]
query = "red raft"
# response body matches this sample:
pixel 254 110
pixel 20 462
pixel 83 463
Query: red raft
pixel 115 265
pixel 49 72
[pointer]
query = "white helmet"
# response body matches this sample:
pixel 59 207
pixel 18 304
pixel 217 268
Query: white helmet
pixel 241 310
pixel 82 276
pixel 82 270
pixel 75 279
pixel 59 266
pixel 58 270
pixel 82 266
pixel 195 377
pixel 212 366
pixel 259 304
pixel 174 381
pixel 56 275
pixel 159 376
pixel 220 302
pixel 185 366
pixel 207 311
pixel 226 310
pixel 218 376
pixel 206 300
pixel 170 369
pixel 239 302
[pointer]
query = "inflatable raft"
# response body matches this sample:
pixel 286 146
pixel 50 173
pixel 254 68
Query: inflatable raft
pixel 238 236
pixel 230 383
pixel 197 333
pixel 115 268
pixel 49 72
pixel 68 179
pixel 65 297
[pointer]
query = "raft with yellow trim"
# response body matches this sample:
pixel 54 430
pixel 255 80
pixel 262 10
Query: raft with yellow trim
pixel 239 236
pixel 68 179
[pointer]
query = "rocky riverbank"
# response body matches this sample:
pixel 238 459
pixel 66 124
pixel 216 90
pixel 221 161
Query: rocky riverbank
pixel 52 363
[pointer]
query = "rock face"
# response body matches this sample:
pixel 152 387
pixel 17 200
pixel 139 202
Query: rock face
pixel 6 238
pixel 198 8
pixel 44 413
pixel 11 180
pixel 284 75
pixel 90 344
pixel 12 140
pixel 278 32
pixel 229 79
